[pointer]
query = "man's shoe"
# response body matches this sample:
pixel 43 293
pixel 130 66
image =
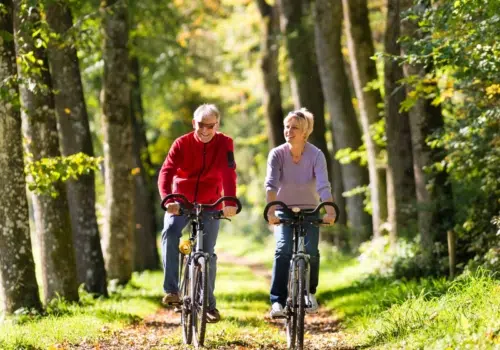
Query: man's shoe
pixel 213 316
pixel 171 298
pixel 314 304
pixel 277 310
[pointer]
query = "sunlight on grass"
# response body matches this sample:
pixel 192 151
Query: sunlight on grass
pixel 88 319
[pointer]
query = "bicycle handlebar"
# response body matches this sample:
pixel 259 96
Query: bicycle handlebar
pixel 186 204
pixel 305 212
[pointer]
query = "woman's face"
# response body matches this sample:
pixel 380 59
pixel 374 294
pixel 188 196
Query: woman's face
pixel 293 132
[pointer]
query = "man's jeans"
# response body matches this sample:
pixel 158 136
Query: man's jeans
pixel 170 238
pixel 283 254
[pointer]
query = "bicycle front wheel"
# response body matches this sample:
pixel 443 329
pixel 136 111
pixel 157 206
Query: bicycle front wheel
pixel 291 320
pixel 185 289
pixel 200 298
pixel 301 266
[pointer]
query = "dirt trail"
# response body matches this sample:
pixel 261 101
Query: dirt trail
pixel 322 329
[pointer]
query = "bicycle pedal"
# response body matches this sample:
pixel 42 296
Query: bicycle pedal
pixel 175 304
pixel 278 317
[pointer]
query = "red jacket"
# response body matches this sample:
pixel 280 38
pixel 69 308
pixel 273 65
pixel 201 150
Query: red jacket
pixel 200 171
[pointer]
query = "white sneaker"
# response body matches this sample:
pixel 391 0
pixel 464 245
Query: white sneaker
pixel 314 304
pixel 277 310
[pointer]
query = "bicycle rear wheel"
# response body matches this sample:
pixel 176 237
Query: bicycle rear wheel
pixel 185 288
pixel 291 320
pixel 200 299
pixel 301 303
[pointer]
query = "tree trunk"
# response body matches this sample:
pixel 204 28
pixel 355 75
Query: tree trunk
pixel 269 65
pixel 52 218
pixel 433 202
pixel 400 178
pixel 146 252
pixel 118 235
pixel 18 285
pixel 304 74
pixel 74 135
pixel 360 43
pixel 345 128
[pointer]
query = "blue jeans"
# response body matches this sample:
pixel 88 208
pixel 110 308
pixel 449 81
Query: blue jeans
pixel 283 254
pixel 170 238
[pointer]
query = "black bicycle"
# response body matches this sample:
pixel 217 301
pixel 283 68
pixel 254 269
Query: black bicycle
pixel 194 266
pixel 299 272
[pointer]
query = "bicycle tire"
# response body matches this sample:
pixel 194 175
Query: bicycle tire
pixel 301 303
pixel 186 316
pixel 200 299
pixel 291 320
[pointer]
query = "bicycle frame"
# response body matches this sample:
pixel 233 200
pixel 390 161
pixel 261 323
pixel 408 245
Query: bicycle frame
pixel 299 272
pixel 194 281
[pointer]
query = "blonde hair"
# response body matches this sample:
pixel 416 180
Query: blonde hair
pixel 304 118
pixel 206 110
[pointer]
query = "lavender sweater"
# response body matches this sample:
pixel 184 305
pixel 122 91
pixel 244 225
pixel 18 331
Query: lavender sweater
pixel 302 184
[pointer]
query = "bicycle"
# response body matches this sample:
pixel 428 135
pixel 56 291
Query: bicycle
pixel 194 267
pixel 299 272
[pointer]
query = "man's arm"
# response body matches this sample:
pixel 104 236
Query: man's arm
pixel 168 170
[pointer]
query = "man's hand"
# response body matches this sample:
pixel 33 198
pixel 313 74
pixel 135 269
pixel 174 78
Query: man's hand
pixel 229 211
pixel 329 219
pixel 173 208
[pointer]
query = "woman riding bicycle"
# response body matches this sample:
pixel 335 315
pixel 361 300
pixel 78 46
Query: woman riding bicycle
pixel 296 175
pixel 199 165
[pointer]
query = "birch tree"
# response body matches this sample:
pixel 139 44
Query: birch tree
pixel 74 134
pixel 118 235
pixel 364 71
pixel 345 128
pixel 52 218
pixel 18 285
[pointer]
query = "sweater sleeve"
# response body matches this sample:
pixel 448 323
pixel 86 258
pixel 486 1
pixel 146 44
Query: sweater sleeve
pixel 273 171
pixel 323 186
pixel 229 171
pixel 168 170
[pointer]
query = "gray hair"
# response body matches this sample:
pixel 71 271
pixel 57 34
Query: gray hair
pixel 206 110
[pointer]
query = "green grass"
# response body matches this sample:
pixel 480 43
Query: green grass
pixel 75 322
pixel 375 313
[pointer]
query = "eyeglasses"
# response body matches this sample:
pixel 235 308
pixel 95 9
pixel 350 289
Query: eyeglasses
pixel 207 126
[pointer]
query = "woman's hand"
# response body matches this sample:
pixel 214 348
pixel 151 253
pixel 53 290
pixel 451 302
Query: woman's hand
pixel 273 219
pixel 329 219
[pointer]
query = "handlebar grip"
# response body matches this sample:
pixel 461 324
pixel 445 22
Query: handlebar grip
pixel 173 196
pixel 225 198
pixel 273 203
pixel 331 204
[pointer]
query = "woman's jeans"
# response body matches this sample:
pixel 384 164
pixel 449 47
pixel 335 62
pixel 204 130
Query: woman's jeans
pixel 170 238
pixel 283 254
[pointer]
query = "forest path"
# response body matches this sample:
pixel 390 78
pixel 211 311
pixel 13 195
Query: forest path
pixel 157 331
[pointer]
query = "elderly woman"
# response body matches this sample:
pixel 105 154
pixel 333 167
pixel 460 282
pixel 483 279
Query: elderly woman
pixel 296 175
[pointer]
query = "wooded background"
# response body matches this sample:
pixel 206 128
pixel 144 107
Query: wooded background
pixel 405 96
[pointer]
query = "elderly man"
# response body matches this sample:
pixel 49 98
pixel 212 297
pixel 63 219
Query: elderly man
pixel 199 165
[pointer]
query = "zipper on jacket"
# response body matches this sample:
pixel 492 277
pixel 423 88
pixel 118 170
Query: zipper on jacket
pixel 201 172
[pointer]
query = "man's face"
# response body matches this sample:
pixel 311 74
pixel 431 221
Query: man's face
pixel 205 127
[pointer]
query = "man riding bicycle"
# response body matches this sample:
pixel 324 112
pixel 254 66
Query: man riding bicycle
pixel 199 165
